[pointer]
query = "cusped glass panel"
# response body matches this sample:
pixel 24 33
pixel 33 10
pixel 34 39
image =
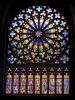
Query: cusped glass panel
pixel 38 34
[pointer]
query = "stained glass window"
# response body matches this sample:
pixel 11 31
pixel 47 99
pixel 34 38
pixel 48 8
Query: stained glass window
pixel 30 84
pixel 59 84
pixel 38 35
pixel 8 83
pixel 66 81
pixel 44 83
pixel 51 83
pixel 16 83
pixel 37 83
pixel 23 83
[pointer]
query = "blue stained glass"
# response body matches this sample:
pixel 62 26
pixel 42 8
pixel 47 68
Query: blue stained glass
pixel 18 62
pixel 17 29
pixel 52 81
pixel 44 84
pixel 30 89
pixel 38 59
pixel 20 16
pixel 65 33
pixel 20 68
pixel 14 43
pixel 15 89
pixel 29 10
pixel 23 80
pixel 14 24
pixel 19 52
pixel 30 84
pixel 62 43
pixel 49 10
pixel 21 22
pixel 51 84
pixel 63 23
pixel 44 89
pixel 51 89
pixel 64 59
pixel 8 47
pixel 8 89
pixel 16 84
pixel 37 35
pixel 66 89
pixel 68 46
pixel 57 15
pixel 11 59
pixel 59 84
pixel 9 51
pixel 38 8
pixel 12 34
pixel 16 81
pixel 27 16
pixel 23 84
pixel 37 84
pixel 67 51
pixel 52 31
pixel 66 83
pixel 8 83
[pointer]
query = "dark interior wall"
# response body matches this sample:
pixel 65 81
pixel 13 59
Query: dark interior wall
pixel 9 10
pixel 72 8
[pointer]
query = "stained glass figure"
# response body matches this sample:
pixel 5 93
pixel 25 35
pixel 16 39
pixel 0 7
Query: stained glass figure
pixel 51 83
pixel 59 84
pixel 37 83
pixel 22 83
pixel 8 83
pixel 30 84
pixel 66 83
pixel 44 84
pixel 35 30
pixel 16 83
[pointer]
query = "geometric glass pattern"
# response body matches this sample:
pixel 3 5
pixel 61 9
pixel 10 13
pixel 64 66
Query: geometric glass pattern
pixel 38 34
pixel 16 83
pixel 8 83
pixel 51 84
pixel 30 84
pixel 44 84
pixel 22 83
pixel 59 84
pixel 66 83
pixel 36 81
pixel 37 84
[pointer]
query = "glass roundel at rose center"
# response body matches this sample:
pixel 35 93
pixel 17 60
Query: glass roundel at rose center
pixel 38 34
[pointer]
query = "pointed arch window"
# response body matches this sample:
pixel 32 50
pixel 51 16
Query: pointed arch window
pixel 30 83
pixel 44 83
pixel 37 83
pixel 38 35
pixel 51 83
pixel 23 83
pixel 8 83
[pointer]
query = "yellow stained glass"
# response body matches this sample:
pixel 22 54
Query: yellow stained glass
pixel 26 41
pixel 24 31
